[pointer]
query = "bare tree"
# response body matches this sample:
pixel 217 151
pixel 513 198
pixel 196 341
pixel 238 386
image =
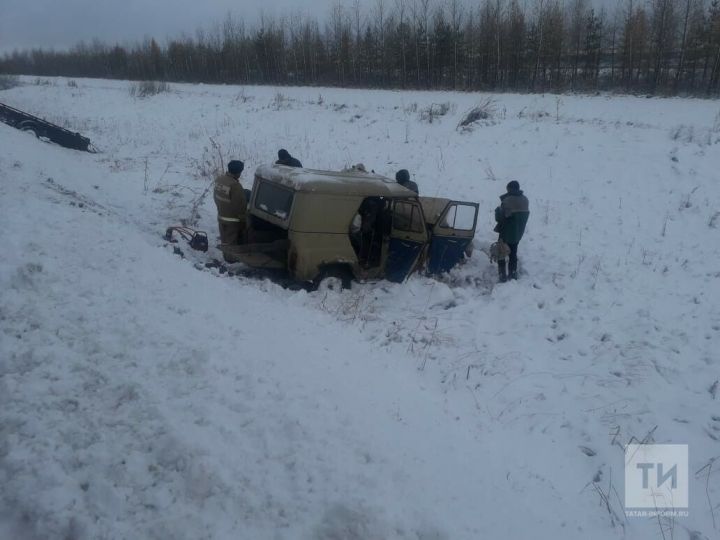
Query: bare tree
pixel 540 16
pixel 663 13
pixel 425 18
pixel 380 26
pixel 401 11
pixel 576 29
pixel 356 21
pixel 683 42
pixel 455 9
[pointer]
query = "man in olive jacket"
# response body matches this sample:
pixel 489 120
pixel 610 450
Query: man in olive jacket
pixel 231 204
pixel 511 217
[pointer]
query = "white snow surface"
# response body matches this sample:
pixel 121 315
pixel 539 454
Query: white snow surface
pixel 143 395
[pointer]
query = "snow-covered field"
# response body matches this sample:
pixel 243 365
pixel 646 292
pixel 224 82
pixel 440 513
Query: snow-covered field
pixel 145 396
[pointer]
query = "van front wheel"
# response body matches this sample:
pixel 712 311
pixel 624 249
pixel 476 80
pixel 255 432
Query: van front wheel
pixel 29 127
pixel 333 278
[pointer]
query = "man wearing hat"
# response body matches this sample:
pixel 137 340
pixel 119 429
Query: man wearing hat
pixel 284 158
pixel 511 216
pixel 402 177
pixel 231 204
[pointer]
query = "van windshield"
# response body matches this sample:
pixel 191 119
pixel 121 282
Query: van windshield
pixel 274 200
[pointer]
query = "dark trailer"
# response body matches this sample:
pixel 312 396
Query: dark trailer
pixel 44 129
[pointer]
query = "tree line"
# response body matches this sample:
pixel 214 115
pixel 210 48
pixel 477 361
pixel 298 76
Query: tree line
pixel 655 46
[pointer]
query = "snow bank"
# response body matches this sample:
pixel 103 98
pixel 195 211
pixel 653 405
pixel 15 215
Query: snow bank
pixel 141 396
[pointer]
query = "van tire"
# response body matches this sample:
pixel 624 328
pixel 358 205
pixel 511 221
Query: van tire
pixel 333 278
pixel 29 127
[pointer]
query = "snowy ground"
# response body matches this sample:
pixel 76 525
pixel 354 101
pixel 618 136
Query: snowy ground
pixel 144 397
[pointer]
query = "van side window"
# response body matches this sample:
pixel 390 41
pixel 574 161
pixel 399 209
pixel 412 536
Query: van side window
pixel 274 200
pixel 460 217
pixel 407 217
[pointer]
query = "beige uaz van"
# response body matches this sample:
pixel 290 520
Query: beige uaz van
pixel 336 226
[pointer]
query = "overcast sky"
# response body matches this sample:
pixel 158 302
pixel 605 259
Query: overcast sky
pixel 62 23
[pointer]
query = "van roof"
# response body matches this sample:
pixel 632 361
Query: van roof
pixel 350 182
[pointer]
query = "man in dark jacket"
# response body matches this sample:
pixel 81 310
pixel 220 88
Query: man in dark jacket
pixel 231 204
pixel 402 177
pixel 511 217
pixel 284 158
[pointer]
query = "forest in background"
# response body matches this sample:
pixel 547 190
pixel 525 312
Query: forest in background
pixel 655 46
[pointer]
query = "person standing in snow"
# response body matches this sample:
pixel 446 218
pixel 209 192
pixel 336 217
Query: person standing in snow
pixel 511 216
pixel 284 158
pixel 402 177
pixel 231 204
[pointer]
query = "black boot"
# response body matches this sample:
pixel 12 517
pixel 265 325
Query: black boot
pixel 502 272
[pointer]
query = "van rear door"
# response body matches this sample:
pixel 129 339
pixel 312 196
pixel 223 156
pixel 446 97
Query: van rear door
pixel 408 237
pixel 451 236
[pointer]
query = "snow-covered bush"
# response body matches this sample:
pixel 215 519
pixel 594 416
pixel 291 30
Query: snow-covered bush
pixel 144 89
pixel 533 114
pixel 242 96
pixel 712 223
pixel 9 81
pixel 280 101
pixel 484 111
pixel 698 135
pixel 436 110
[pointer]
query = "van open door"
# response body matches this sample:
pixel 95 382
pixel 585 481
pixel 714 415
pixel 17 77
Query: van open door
pixel 451 236
pixel 408 237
